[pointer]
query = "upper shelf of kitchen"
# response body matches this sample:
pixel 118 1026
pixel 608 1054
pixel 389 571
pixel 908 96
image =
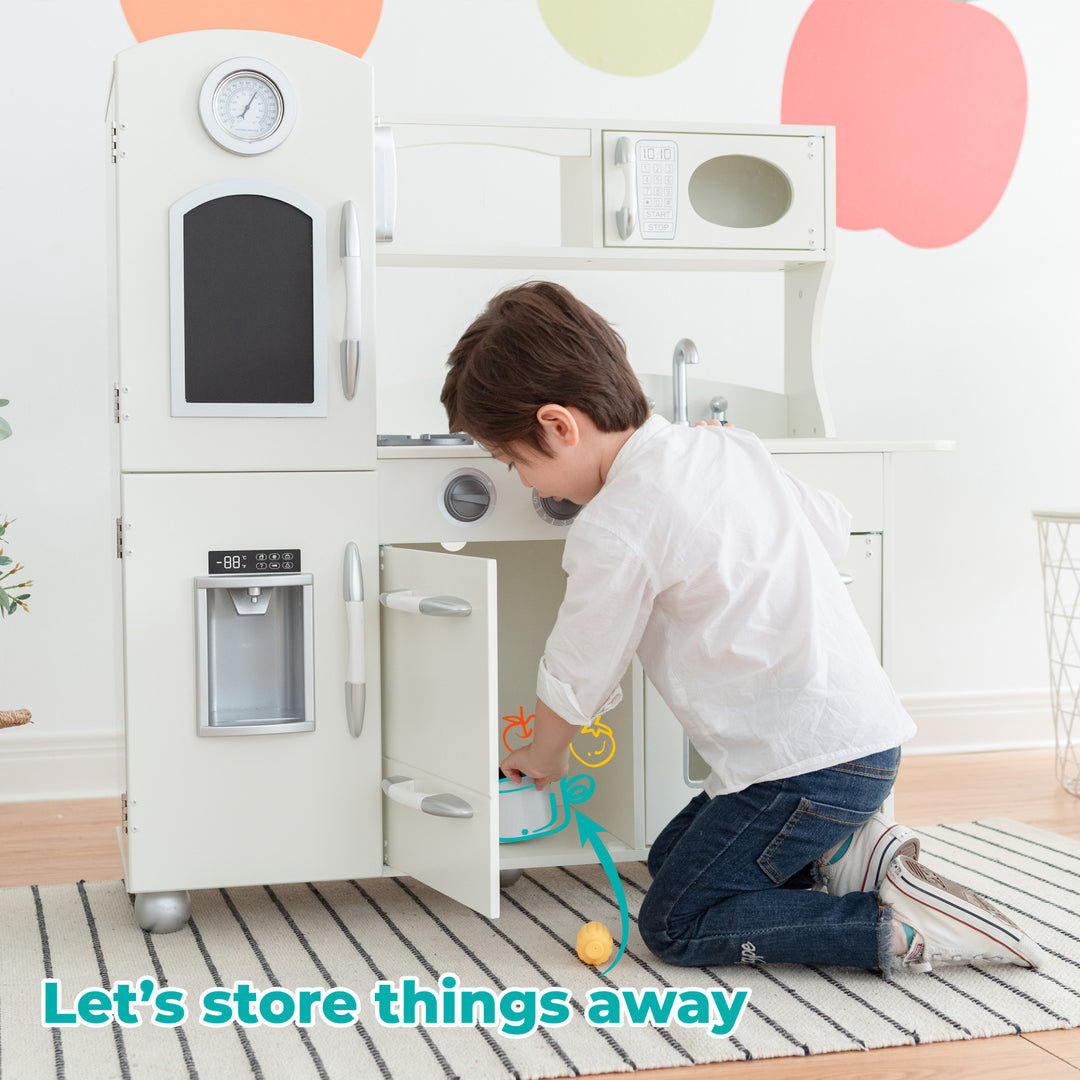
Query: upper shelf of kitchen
pixel 603 194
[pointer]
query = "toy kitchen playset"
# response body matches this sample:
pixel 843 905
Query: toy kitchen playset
pixel 325 640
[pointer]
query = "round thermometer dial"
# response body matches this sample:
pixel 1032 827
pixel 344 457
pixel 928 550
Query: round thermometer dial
pixel 247 105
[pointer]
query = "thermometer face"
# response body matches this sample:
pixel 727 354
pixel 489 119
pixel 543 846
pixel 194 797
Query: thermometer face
pixel 247 105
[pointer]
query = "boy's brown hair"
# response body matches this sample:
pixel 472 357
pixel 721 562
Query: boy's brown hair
pixel 537 344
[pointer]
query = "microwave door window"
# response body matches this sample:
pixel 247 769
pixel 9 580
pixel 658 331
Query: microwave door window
pixel 250 309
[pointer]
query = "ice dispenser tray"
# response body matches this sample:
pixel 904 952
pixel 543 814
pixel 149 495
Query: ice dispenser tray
pixel 255 655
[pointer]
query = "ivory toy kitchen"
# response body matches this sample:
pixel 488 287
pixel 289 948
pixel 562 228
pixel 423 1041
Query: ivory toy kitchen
pixel 330 634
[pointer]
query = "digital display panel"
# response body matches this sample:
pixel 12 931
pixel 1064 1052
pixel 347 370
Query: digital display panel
pixel 264 560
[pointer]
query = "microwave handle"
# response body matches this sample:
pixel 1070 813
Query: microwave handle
pixel 385 183
pixel 350 260
pixel 355 678
pixel 626 215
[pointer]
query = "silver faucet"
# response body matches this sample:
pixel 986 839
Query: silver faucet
pixel 685 353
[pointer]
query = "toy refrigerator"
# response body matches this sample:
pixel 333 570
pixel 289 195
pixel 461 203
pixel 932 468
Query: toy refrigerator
pixel 244 207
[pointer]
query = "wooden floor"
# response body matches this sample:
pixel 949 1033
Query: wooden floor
pixel 55 842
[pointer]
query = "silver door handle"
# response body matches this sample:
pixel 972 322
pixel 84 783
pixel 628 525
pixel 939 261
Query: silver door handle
pixel 626 215
pixel 355 678
pixel 407 600
pixel 402 790
pixel 846 578
pixel 350 259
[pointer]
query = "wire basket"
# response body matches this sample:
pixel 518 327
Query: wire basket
pixel 1061 603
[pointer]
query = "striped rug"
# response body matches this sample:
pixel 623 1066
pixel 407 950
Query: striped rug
pixel 255 953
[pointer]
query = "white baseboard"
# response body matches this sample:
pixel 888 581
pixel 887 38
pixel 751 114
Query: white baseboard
pixel 37 765
pixel 974 722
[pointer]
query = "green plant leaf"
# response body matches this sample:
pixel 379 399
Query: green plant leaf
pixel 6 560
pixel 5 429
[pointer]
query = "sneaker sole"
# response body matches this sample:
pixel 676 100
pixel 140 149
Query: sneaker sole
pixel 923 886
pixel 888 847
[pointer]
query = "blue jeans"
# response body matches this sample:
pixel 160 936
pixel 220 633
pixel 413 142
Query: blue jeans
pixel 732 874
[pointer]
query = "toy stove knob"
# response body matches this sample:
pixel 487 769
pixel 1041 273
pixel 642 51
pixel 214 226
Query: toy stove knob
pixel 467 496
pixel 555 511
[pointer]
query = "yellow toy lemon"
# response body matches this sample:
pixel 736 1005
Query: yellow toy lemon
pixel 594 944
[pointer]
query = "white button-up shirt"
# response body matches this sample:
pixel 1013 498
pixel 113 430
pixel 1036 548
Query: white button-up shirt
pixel 719 570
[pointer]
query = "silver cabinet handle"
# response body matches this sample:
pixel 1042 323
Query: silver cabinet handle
pixel 626 215
pixel 350 258
pixel 407 600
pixel 401 789
pixel 355 678
pixel 846 578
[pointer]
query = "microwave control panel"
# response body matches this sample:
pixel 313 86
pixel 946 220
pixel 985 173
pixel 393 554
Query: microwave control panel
pixel 264 560
pixel 657 175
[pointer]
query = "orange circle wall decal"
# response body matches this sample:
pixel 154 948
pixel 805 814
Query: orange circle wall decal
pixel 348 25
pixel 628 37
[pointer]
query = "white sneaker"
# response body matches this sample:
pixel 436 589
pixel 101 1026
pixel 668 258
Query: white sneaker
pixel 952 924
pixel 873 846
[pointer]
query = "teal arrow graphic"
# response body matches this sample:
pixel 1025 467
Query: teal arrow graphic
pixel 589 832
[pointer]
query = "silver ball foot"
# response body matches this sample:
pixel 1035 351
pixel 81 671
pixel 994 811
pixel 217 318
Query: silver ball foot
pixel 162 912
pixel 508 877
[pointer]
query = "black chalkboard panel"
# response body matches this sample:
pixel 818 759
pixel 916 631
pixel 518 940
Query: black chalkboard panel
pixel 248 302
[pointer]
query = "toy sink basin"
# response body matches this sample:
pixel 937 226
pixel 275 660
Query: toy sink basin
pixel 524 811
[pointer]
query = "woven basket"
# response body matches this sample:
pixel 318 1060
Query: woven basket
pixel 14 717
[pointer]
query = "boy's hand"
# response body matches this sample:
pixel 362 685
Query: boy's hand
pixel 527 762
pixel 547 757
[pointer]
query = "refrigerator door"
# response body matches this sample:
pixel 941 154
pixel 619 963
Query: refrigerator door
pixel 242 765
pixel 440 722
pixel 244 271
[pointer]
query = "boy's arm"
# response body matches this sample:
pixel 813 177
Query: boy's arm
pixel 609 594
pixel 547 757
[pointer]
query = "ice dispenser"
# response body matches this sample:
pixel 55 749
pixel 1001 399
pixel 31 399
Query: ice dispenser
pixel 255 649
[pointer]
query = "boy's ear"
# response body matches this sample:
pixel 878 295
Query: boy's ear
pixel 560 424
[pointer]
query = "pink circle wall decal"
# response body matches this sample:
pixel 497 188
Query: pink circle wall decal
pixel 929 101
pixel 348 25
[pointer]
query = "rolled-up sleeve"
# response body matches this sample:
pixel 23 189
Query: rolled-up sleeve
pixel 609 596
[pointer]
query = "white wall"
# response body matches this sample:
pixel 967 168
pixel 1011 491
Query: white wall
pixel 971 342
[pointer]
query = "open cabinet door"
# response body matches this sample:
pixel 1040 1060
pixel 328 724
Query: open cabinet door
pixel 440 722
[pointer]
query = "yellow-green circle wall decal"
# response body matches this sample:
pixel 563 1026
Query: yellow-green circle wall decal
pixel 628 37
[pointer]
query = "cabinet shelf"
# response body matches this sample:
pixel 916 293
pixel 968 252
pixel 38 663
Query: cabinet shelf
pixel 563 849
pixel 588 258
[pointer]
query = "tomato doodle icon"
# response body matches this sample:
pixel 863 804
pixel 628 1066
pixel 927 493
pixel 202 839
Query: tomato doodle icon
pixel 520 720
pixel 598 748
